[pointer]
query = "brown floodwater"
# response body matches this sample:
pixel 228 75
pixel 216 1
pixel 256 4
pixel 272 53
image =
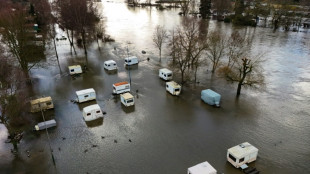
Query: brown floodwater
pixel 163 133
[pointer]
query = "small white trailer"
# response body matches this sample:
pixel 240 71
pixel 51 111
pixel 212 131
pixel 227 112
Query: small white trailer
pixel 85 95
pixel 127 99
pixel 45 125
pixel 121 87
pixel 75 69
pixel 165 74
pixel 242 154
pixel 131 60
pixel 173 88
pixel 41 104
pixel 202 168
pixel 110 65
pixel 92 112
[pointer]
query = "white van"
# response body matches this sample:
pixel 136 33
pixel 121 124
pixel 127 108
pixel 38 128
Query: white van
pixel 202 168
pixel 75 69
pixel 127 99
pixel 110 65
pixel 131 60
pixel 121 87
pixel 165 74
pixel 241 154
pixel 173 88
pixel 86 95
pixel 41 104
pixel 92 112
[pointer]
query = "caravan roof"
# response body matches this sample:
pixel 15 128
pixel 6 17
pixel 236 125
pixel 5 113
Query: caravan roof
pixel 132 57
pixel 165 70
pixel 210 93
pixel 40 100
pixel 127 96
pixel 202 168
pixel 91 108
pixel 85 91
pixel 242 150
pixel 109 61
pixel 173 84
pixel 74 66
pixel 120 83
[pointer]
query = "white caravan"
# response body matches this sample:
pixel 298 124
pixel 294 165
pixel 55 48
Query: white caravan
pixel 127 99
pixel 86 95
pixel 92 112
pixel 110 65
pixel 241 154
pixel 131 60
pixel 173 88
pixel 41 104
pixel 75 69
pixel 121 87
pixel 45 125
pixel 202 168
pixel 165 74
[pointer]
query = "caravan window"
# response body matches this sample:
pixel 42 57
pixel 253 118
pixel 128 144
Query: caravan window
pixel 167 86
pixel 105 64
pixel 169 75
pixel 88 114
pixel 165 75
pixel 130 100
pixel 109 65
pixel 231 157
pixel 241 160
pixel 85 96
pixel 114 64
pixel 127 87
pixel 48 103
pixel 129 61
pixel 97 111
pixel 72 70
pixel 176 90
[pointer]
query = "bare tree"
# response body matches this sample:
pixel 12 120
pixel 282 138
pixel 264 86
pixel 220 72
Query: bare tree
pixel 13 94
pixel 159 37
pixel 245 72
pixel 185 6
pixel 16 35
pixel 187 46
pixel 216 48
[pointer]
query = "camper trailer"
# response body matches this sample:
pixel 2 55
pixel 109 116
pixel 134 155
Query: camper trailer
pixel 211 97
pixel 202 168
pixel 110 65
pixel 127 99
pixel 86 95
pixel 165 74
pixel 242 154
pixel 75 69
pixel 131 60
pixel 45 125
pixel 92 112
pixel 41 104
pixel 173 88
pixel 121 87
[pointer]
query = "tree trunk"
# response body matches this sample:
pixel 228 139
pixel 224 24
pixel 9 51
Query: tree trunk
pixel 72 44
pixel 160 55
pixel 239 88
pixel 98 44
pixel 84 42
pixel 54 41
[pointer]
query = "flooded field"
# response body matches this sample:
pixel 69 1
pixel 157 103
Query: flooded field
pixel 163 133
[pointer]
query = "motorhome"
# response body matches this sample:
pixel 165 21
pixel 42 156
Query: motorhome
pixel 210 97
pixel 202 168
pixel 173 88
pixel 85 95
pixel 121 87
pixel 110 65
pixel 127 99
pixel 131 60
pixel 242 154
pixel 45 125
pixel 75 69
pixel 41 104
pixel 165 74
pixel 92 112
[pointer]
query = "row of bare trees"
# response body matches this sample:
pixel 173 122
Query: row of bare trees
pixel 191 48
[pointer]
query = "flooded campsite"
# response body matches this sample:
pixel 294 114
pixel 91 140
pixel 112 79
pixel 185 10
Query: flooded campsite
pixel 160 132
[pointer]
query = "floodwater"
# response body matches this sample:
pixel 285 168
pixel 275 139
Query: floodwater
pixel 164 133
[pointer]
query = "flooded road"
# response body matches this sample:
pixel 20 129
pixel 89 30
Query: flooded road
pixel 164 133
